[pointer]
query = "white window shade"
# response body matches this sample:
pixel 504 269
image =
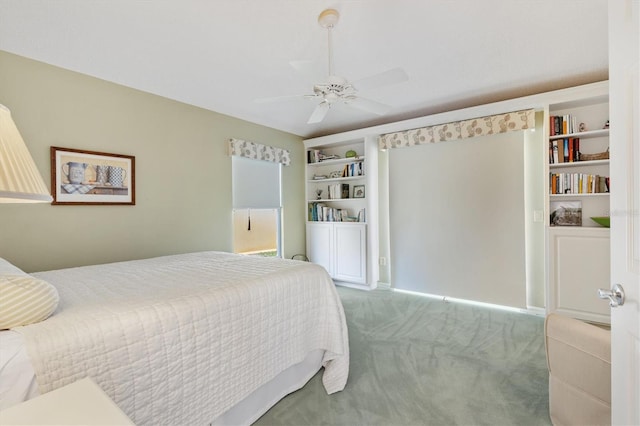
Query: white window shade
pixel 256 183
pixel 457 219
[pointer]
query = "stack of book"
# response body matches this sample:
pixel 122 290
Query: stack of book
pixel 353 169
pixel 320 212
pixel 566 150
pixel 338 191
pixel 563 124
pixel 313 156
pixel 577 183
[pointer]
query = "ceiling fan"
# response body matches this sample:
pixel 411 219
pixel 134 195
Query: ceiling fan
pixel 338 89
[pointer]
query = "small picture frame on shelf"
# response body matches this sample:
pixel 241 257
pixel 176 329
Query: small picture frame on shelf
pixel 358 191
pixel 565 213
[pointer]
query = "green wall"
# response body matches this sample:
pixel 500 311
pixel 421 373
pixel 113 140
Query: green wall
pixel 183 172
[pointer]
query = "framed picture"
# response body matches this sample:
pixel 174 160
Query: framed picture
pixel 358 191
pixel 565 213
pixel 89 177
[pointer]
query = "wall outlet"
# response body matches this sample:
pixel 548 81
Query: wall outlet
pixel 382 261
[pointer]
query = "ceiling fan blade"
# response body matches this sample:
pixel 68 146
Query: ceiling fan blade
pixel 280 99
pixel 369 106
pixel 319 113
pixel 392 76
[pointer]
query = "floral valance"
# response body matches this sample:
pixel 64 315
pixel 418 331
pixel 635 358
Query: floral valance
pixel 258 151
pixel 500 123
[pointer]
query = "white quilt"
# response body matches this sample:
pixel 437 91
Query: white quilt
pixel 181 339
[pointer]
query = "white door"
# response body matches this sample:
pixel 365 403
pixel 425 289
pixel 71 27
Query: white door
pixel 624 76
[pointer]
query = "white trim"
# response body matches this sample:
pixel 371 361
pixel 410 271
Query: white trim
pixel 467 302
pixel 538 102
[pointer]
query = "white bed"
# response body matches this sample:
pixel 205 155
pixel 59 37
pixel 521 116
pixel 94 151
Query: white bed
pixel 198 338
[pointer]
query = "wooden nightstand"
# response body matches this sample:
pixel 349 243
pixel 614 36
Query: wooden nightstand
pixel 80 403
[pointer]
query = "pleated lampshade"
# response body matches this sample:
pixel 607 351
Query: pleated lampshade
pixel 20 180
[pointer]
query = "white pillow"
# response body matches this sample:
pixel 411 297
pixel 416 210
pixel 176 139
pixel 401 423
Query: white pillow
pixel 25 300
pixel 8 268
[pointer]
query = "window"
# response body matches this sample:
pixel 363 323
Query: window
pixel 255 231
pixel 256 206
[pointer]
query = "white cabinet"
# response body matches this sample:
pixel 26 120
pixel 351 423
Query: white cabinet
pixel 341 186
pixel 320 245
pixel 350 248
pixel 341 248
pixel 579 265
pixel 578 248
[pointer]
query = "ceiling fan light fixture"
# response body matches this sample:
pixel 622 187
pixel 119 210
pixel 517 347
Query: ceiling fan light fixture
pixel 331 97
pixel 328 18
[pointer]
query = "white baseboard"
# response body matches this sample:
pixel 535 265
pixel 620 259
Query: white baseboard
pixel 534 310
pixel 355 285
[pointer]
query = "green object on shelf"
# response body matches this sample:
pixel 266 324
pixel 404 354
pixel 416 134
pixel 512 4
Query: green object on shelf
pixel 350 153
pixel 601 220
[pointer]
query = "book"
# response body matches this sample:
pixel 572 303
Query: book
pixel 313 156
pixel 555 152
pixel 345 190
pixel 571 150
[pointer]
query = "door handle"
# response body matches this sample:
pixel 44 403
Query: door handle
pixel 615 295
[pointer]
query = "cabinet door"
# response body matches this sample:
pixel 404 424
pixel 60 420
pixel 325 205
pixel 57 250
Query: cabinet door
pixel 579 265
pixel 320 245
pixel 350 242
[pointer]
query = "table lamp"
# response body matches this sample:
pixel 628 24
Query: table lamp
pixel 20 180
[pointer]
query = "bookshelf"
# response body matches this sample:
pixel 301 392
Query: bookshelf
pixel 578 187
pixel 338 178
pixel 336 187
pixel 578 159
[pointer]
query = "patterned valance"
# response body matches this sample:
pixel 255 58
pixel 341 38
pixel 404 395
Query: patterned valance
pixel 501 123
pixel 258 151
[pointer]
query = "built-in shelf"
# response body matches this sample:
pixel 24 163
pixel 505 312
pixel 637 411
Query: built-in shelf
pixel 340 179
pixel 578 256
pixel 579 164
pixel 344 246
pixel 595 194
pixel 582 135
pixel 326 200
pixel 337 161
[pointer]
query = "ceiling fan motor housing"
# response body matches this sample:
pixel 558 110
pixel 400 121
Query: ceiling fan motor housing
pixel 336 88
pixel 328 18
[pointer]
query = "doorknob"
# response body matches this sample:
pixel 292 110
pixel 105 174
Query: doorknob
pixel 615 295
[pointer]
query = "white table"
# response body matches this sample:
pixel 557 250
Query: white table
pixel 80 403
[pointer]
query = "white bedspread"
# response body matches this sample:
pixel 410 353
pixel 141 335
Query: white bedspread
pixel 180 339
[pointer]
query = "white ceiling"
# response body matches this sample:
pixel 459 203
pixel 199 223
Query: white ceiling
pixel 221 55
